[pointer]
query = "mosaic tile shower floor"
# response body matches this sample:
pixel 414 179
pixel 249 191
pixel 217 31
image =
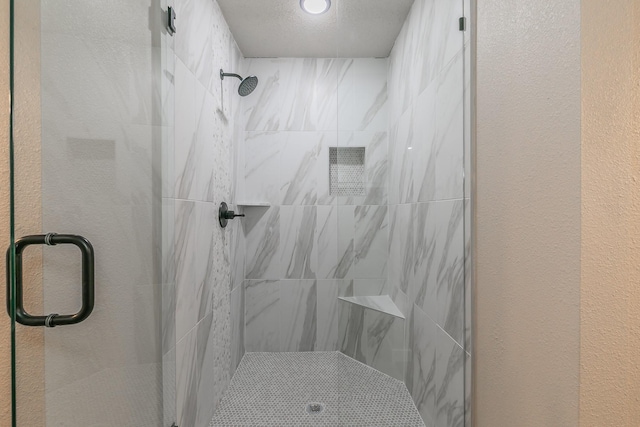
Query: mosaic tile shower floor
pixel 273 389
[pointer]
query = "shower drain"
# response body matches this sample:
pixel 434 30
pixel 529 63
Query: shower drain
pixel 315 408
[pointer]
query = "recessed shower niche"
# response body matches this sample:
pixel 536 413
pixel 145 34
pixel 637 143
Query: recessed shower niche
pixel 346 169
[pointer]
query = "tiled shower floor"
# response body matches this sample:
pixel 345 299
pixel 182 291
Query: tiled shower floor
pixel 273 389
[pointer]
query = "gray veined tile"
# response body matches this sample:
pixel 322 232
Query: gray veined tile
pixel 187 374
pixel 428 254
pixel 298 318
pixel 449 40
pixel 205 407
pixel 327 316
pixel 205 256
pixel 298 255
pixel 263 242
pixel 285 99
pixel 450 131
pixel 186 154
pixel 371 242
pixel 206 142
pixel 185 244
pixel 449 377
pixel 450 268
pixel 424 147
pixel 401 246
pixel 299 167
pixel 327 241
pixel 237 326
pixel 263 157
pixel 425 340
pixel 193 41
pixel 373 338
pixel 362 94
pixel 262 315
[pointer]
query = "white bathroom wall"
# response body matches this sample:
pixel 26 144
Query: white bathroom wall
pixel 201 178
pixel 426 205
pixel 310 246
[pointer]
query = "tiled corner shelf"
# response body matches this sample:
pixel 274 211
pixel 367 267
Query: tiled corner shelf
pixel 382 303
pixel 254 204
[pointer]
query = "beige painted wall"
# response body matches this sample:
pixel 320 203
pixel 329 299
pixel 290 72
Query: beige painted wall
pixel 610 300
pixel 527 213
pixel 30 365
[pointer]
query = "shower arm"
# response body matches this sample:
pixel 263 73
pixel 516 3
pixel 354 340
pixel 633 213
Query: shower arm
pixel 223 75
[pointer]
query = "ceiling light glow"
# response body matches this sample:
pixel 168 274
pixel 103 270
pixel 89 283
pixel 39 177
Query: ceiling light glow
pixel 315 7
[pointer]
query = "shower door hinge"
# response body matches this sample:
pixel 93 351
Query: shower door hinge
pixel 463 24
pixel 171 20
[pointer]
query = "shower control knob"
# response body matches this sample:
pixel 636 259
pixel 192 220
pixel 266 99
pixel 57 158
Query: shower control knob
pixel 225 215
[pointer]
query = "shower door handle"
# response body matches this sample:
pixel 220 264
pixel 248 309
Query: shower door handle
pixel 88 280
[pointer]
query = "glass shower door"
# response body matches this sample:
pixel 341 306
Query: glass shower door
pixel 91 112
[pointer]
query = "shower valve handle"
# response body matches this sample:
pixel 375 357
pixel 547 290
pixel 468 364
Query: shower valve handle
pixel 225 215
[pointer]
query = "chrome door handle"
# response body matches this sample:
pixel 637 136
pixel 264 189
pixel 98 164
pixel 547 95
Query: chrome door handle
pixel 88 280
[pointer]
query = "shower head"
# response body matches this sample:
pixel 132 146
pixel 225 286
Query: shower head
pixel 247 85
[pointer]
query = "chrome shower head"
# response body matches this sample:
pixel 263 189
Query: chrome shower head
pixel 247 85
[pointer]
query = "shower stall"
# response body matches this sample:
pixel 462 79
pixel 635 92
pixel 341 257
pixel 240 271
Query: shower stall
pixel 229 212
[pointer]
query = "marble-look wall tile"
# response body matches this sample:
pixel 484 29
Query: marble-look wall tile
pixel 282 167
pixel 467 389
pixel 468 277
pixel 168 277
pixel 424 340
pixel 185 257
pixel 220 291
pixel 193 40
pixel 237 252
pixel 263 243
pixel 449 40
pixel 450 276
pixel 327 241
pixel 169 387
pixel 373 338
pixel 280 315
pixel 327 317
pixel 299 165
pixel 205 256
pixel 401 140
pixel 298 256
pixel 206 382
pixel 187 375
pixel 362 94
pixel 449 380
pixel 427 256
pixel 205 143
pixel 294 94
pixel 263 154
pixel 401 246
pixel 213 363
pixel 450 131
pixel 298 315
pixel 237 327
pixel 424 150
pixel 186 154
pixel 371 243
pixel 262 315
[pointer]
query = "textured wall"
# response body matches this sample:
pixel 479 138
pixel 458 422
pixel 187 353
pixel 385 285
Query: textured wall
pixel 30 363
pixel 527 213
pixel 610 299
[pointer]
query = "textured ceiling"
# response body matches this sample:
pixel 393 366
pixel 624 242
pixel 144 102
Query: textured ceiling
pixel 350 29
